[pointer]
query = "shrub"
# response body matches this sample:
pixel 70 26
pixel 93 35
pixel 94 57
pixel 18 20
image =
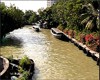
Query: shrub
pixel 65 31
pixel 89 38
pixel 20 70
pixel 60 27
pixel 82 38
pixel 24 76
pixel 72 33
pixel 24 61
pixel 77 36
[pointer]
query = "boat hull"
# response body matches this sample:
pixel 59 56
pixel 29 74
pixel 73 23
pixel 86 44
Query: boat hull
pixel 56 34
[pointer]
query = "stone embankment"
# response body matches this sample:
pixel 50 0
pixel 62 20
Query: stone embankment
pixel 93 54
pixel 88 51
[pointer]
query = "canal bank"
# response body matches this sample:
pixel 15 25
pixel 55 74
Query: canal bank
pixel 54 59
pixel 81 46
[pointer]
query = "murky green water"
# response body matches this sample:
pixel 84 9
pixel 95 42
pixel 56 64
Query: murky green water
pixel 54 59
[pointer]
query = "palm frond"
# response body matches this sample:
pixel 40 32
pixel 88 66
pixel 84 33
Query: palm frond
pixel 97 22
pixel 89 25
pixel 85 20
pixel 93 10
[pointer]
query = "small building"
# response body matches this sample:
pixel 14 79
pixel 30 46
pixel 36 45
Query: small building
pixel 51 2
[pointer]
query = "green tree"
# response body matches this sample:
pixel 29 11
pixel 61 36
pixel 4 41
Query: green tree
pixel 34 18
pixel 77 14
pixel 90 15
pixel 11 18
pixel 27 15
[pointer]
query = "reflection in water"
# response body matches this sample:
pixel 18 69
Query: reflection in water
pixel 10 40
pixel 54 59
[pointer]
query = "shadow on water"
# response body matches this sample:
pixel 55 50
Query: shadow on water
pixel 11 41
pixel 65 39
pixel 36 71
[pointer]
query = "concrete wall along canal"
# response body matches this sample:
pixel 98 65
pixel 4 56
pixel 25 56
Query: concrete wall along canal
pixel 89 52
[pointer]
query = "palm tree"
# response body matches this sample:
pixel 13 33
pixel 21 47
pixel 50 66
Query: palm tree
pixel 90 15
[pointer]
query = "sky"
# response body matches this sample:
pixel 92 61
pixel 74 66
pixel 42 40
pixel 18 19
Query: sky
pixel 27 5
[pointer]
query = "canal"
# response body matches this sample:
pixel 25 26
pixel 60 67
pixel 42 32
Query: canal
pixel 54 59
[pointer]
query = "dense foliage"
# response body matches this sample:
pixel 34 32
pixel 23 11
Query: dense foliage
pixel 30 17
pixel 13 18
pixel 77 14
pixel 24 61
pixel 77 18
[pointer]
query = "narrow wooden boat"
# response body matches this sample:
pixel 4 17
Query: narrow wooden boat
pixel 56 32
